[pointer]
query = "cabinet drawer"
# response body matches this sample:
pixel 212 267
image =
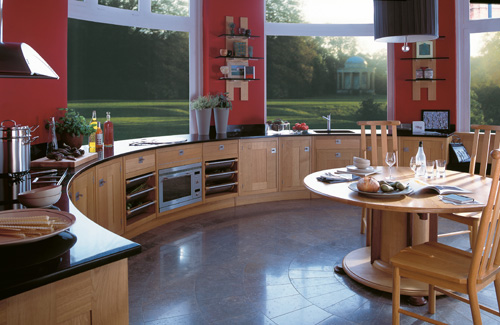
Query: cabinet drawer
pixel 334 158
pixel 179 155
pixel 337 142
pixel 220 150
pixel 140 163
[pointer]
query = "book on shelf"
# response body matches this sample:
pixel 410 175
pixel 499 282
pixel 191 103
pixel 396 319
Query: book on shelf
pixel 249 72
pixel 419 185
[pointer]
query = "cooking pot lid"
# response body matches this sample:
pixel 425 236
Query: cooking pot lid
pixel 14 130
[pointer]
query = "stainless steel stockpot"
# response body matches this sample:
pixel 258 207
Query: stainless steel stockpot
pixel 15 147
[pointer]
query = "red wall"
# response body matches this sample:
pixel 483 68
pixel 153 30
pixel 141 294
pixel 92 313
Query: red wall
pixel 43 26
pixel 214 18
pixel 408 110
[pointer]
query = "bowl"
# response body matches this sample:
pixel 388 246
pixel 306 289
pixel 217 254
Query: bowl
pixel 40 197
pixel 361 163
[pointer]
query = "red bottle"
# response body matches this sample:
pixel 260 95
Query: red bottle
pixel 108 132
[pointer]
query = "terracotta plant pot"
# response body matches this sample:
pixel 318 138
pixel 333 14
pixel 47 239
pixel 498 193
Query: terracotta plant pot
pixel 72 140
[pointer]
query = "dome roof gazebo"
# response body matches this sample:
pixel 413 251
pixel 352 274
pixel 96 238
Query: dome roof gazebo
pixel 356 77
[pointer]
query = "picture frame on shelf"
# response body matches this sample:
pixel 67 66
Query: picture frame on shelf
pixel 425 50
pixel 237 72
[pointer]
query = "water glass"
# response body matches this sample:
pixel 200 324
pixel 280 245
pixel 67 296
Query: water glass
pixel 441 167
pixel 413 164
pixel 430 168
pixel 390 160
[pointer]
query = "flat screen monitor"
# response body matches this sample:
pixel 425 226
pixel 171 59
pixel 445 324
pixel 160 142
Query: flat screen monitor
pixel 436 120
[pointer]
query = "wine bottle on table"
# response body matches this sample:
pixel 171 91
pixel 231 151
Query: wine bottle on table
pixel 420 160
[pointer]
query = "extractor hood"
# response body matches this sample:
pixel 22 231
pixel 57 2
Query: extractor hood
pixel 19 60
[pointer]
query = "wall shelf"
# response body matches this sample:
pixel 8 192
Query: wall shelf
pixel 238 36
pixel 236 79
pixel 239 57
pixel 433 58
pixel 424 79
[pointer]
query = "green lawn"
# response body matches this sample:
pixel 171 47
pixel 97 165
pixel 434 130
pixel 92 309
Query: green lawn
pixel 136 119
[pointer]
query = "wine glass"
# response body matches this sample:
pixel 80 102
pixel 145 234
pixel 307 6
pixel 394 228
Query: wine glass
pixel 390 160
pixel 413 164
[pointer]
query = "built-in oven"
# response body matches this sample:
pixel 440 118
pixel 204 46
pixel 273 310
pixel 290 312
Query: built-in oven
pixel 179 186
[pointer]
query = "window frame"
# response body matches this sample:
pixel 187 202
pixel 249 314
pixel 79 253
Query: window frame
pixel 90 10
pixel 294 29
pixel 464 28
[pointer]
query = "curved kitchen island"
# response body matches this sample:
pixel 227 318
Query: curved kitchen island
pixel 81 276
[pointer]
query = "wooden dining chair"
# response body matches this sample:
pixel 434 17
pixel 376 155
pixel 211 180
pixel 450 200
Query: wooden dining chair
pixel 449 270
pixel 386 127
pixel 486 145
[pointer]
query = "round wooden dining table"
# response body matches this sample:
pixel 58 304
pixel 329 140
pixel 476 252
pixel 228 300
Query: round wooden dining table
pixel 398 222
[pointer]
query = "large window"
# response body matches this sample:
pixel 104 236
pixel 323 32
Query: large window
pixel 133 59
pixel 478 48
pixel 319 65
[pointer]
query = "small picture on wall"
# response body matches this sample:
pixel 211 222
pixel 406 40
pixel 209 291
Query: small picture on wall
pixel 425 49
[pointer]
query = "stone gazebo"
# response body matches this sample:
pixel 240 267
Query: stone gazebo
pixel 356 77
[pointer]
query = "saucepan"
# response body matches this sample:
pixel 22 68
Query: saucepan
pixel 15 147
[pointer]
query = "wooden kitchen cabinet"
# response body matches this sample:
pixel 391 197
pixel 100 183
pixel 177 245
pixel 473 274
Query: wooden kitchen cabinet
pixel 220 170
pixel 82 193
pixel 295 162
pixel 110 196
pixel 98 296
pixel 334 151
pixel 434 148
pixel 258 168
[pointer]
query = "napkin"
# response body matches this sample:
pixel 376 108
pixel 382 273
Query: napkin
pixel 337 178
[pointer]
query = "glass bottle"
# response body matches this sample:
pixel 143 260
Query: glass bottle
pixel 420 160
pixel 99 138
pixel 108 131
pixel 92 136
pixel 52 139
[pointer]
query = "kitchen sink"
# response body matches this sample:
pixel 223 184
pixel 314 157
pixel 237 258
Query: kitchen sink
pixel 333 131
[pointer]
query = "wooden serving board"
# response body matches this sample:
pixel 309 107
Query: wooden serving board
pixel 46 162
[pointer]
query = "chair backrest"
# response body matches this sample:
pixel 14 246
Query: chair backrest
pixel 486 147
pixel 485 255
pixel 384 143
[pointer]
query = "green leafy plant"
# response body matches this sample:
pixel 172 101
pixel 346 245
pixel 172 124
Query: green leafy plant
pixel 223 101
pixel 204 102
pixel 73 123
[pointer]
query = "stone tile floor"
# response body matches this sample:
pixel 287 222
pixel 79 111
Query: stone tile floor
pixel 269 263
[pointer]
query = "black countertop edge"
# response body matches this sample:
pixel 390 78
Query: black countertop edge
pixel 132 249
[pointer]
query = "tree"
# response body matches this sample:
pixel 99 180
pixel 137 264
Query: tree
pixel 283 11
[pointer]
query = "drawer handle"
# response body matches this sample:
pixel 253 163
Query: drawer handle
pixel 338 141
pixel 141 160
pixel 78 196
pixel 102 182
pixel 181 152
pixel 338 155
pixel 406 149
pixel 273 150
pixel 221 147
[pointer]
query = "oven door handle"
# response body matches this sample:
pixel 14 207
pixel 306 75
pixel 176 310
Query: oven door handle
pixel 176 175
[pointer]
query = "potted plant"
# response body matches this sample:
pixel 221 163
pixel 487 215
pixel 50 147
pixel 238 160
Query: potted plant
pixel 221 112
pixel 203 107
pixel 72 127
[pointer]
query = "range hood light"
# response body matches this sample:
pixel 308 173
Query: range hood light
pixel 19 60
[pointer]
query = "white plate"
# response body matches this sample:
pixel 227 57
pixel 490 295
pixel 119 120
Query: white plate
pixel 353 168
pixel 65 217
pixel 406 191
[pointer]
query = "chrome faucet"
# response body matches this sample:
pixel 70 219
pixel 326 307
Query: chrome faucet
pixel 328 122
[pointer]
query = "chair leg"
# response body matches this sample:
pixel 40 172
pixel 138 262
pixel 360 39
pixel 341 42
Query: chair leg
pixel 497 289
pixel 473 233
pixel 432 299
pixel 396 298
pixel 363 220
pixel 474 304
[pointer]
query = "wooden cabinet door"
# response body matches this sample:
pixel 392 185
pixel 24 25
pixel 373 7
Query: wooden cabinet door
pixel 82 193
pixel 295 162
pixel 434 148
pixel 258 168
pixel 110 197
